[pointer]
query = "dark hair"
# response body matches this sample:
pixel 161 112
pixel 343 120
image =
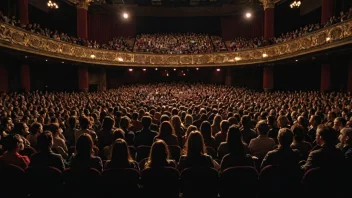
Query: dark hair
pixel 246 121
pixel 166 129
pixel 234 141
pixel 45 141
pixel 159 154
pixel 146 121
pixel 108 123
pixel 11 141
pixel 72 121
pixel 285 137
pixel 224 126
pixel 124 122
pixel 205 129
pixel 84 122
pixel 118 134
pixel 120 155
pixel 195 144
pixel 35 127
pixel 262 127
pixel 54 128
pixel 84 146
pixel 328 134
pixel 298 132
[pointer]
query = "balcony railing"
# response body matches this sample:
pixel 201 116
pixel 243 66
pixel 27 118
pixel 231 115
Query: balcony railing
pixel 330 37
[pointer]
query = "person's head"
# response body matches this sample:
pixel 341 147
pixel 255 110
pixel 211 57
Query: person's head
pixel 176 121
pixel 84 122
pixel 283 122
pixel 205 129
pixel 217 120
pixel 159 154
pixel 108 123
pixel 72 121
pixel 188 120
pixel 298 133
pixel 36 128
pixel 146 121
pixel 45 141
pixel 54 128
pixel 190 129
pixel 326 135
pixel 262 128
pixel 285 137
pixel 315 120
pixel 164 117
pixel 21 129
pixel 331 116
pixel 195 144
pixel 234 140
pixel 271 121
pixel 339 123
pixel 125 122
pixel 232 121
pixel 346 136
pixel 246 121
pixel 118 134
pixel 166 129
pixel 224 126
pixel 13 143
pixel 84 146
pixel 120 152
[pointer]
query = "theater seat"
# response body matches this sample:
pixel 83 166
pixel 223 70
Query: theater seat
pixel 160 182
pixel 240 180
pixel 211 151
pixel 175 152
pixel 43 180
pixel 121 182
pixel 28 151
pixel 199 183
pixel 142 152
pixel 133 152
pixel 82 183
pixel 11 176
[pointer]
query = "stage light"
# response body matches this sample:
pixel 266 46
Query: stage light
pixel 130 70
pixel 328 39
pixel 46 60
pixel 62 62
pixel 265 55
pixel 125 15
pixel 296 60
pixel 184 74
pixel 237 58
pixel 295 4
pixel 217 70
pixel 92 56
pixel 248 15
pixel 197 68
pixel 156 69
pixel 144 69
pixel 174 69
pixel 167 74
pixel 120 59
pixel 52 5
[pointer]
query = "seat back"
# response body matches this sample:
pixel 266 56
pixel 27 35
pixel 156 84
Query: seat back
pixel 44 179
pixel 241 179
pixel 211 151
pixel 199 182
pixel 123 181
pixel 142 152
pixel 142 164
pixel 10 176
pixel 82 183
pixel 175 152
pixel 160 182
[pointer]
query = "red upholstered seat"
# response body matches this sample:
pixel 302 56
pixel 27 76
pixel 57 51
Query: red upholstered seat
pixel 10 176
pixel 120 182
pixel 83 183
pixel 142 152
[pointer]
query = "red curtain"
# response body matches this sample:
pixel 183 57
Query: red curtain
pixel 103 28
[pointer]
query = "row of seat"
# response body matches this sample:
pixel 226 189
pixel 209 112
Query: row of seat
pixel 164 182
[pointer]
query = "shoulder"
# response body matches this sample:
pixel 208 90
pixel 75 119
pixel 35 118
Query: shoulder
pixel 96 159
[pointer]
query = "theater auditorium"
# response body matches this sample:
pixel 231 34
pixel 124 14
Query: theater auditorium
pixel 175 98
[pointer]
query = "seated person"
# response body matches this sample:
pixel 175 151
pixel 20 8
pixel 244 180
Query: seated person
pixel 346 144
pixel 298 141
pixel 159 156
pixel 117 134
pixel 262 144
pixel 46 157
pixel 120 157
pixel 167 134
pixel 238 154
pixel 12 145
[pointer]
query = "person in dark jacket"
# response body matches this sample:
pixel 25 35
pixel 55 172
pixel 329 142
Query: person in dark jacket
pixel 145 136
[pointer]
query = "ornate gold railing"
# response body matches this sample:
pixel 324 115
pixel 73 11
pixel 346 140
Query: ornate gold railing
pixel 326 38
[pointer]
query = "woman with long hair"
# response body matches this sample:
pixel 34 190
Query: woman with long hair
pixel 188 120
pixel 209 140
pixel 120 156
pixel 215 127
pixel 159 156
pixel 178 127
pixel 238 151
pixel 194 153
pixel 189 130
pixel 84 157
pixel 167 134
pixel 106 133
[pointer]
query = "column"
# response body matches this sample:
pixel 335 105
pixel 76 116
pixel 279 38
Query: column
pixel 83 84
pixel 269 11
pixel 268 78
pixel 25 78
pixel 325 79
pixel 228 78
pixel 4 80
pixel 349 77
pixel 22 6
pixel 327 8
pixel 82 19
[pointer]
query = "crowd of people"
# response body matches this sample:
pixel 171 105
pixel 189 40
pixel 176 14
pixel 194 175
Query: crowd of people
pixel 178 43
pixel 181 43
pixel 214 125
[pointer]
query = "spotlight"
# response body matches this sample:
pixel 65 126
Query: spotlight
pixel 62 62
pixel 184 74
pixel 92 56
pixel 120 59
pixel 130 70
pixel 125 15
pixel 156 69
pixel 328 38
pixel 237 58
pixel 167 74
pixel 144 69
pixel 174 69
pixel 295 4
pixel 46 60
pixel 248 15
pixel 265 55
pixel 296 60
pixel 217 70
pixel 197 68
